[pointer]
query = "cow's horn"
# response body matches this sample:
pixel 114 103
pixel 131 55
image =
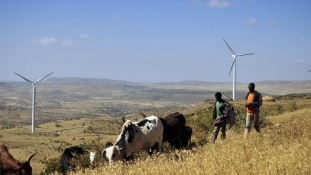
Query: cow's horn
pixel 31 156
pixel 123 119
pixel 142 114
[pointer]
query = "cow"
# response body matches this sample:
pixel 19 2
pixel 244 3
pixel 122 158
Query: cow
pixel 93 153
pixel 174 126
pixel 67 155
pixel 183 140
pixel 9 165
pixel 113 154
pixel 142 135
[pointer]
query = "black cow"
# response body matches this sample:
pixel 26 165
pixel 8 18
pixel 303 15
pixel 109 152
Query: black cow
pixel 174 126
pixel 183 140
pixel 67 155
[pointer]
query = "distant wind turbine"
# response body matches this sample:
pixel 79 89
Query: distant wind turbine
pixel 33 97
pixel 234 70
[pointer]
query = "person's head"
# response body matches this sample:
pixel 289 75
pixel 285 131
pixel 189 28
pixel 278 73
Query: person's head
pixel 251 87
pixel 218 96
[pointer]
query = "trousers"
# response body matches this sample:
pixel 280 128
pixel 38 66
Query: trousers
pixel 251 118
pixel 220 127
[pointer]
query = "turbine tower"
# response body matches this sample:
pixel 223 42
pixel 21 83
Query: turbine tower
pixel 33 98
pixel 234 70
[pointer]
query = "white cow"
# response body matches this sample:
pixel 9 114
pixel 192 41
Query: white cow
pixel 142 135
pixel 113 154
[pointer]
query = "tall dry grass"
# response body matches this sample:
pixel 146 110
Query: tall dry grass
pixel 281 149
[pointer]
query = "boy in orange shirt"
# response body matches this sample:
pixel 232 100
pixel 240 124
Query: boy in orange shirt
pixel 253 103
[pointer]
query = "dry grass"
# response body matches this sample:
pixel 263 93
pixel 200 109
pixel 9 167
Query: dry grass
pixel 282 149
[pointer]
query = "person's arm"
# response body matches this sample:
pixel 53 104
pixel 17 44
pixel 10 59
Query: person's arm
pixel 214 111
pixel 258 101
pixel 247 104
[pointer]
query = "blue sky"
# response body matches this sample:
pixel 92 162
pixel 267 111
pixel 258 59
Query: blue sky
pixel 155 41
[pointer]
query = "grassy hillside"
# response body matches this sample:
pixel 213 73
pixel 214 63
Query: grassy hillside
pixel 282 149
pixel 284 142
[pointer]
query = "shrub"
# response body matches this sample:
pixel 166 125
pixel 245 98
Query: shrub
pixel 292 106
pixel 52 165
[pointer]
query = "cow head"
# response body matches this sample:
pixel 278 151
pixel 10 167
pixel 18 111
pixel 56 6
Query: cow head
pixel 9 165
pixel 113 153
pixel 127 134
pixel 25 168
pixel 126 138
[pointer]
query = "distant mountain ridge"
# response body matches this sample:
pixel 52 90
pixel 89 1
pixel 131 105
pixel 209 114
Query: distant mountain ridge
pixel 61 98
pixel 83 80
pixel 97 86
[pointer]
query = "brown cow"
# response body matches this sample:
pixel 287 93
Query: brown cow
pixel 10 166
pixel 174 126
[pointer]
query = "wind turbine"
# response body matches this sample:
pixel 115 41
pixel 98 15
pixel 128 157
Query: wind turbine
pixel 234 70
pixel 33 97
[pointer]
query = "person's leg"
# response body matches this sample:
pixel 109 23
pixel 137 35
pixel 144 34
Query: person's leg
pixel 223 129
pixel 256 122
pixel 248 123
pixel 215 134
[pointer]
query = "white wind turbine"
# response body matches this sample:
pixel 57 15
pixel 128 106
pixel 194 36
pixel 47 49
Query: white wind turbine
pixel 234 70
pixel 33 97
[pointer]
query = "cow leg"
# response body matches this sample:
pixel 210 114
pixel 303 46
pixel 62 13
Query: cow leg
pixel 160 147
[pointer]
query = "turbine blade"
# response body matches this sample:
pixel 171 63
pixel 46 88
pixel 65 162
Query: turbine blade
pixel 229 47
pixel 23 78
pixel 232 65
pixel 309 70
pixel 42 78
pixel 246 54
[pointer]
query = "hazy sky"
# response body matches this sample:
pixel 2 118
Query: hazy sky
pixel 155 41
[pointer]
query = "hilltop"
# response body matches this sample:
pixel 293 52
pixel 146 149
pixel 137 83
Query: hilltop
pixel 73 98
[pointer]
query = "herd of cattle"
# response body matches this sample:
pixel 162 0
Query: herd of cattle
pixel 148 134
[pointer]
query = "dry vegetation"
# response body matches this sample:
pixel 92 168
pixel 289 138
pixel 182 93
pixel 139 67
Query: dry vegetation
pixel 283 147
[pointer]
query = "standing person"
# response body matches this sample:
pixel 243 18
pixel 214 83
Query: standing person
pixel 253 103
pixel 219 114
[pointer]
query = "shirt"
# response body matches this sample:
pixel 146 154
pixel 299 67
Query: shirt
pixel 218 104
pixel 250 99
